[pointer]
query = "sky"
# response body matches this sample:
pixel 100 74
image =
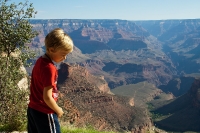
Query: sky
pixel 116 9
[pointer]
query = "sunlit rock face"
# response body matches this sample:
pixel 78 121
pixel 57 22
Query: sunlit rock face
pixel 23 83
pixel 88 100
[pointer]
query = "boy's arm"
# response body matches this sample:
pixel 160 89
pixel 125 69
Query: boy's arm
pixel 48 99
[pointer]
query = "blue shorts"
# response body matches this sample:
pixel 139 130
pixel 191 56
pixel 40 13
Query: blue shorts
pixel 39 122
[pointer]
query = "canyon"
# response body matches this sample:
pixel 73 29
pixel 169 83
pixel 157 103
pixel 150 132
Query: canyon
pixel 163 54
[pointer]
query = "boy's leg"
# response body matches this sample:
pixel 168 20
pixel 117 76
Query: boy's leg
pixel 31 127
pixel 57 125
pixel 45 123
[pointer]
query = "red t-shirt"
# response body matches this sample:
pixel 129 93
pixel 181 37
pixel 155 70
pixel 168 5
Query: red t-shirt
pixel 44 74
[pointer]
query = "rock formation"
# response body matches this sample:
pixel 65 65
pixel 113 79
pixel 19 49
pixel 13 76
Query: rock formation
pixel 182 113
pixel 128 52
pixel 86 99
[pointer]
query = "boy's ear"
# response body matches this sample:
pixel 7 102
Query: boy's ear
pixel 52 50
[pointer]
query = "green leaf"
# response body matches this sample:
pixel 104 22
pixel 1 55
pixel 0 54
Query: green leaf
pixel 15 32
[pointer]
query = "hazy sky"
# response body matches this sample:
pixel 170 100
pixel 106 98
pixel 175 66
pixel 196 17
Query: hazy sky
pixel 116 9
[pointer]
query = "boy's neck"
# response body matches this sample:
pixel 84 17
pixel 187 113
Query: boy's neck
pixel 47 55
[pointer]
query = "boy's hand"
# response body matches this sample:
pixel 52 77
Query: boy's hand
pixel 48 99
pixel 60 113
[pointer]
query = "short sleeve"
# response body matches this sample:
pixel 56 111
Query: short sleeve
pixel 49 76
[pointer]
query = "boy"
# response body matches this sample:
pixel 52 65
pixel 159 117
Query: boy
pixel 43 111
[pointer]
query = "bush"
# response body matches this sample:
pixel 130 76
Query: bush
pixel 15 33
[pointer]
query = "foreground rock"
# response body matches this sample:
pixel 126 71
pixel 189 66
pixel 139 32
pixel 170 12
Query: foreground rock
pixel 88 100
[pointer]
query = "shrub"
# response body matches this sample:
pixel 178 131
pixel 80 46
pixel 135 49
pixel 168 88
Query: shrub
pixel 15 33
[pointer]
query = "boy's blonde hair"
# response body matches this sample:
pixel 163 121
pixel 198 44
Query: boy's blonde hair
pixel 58 39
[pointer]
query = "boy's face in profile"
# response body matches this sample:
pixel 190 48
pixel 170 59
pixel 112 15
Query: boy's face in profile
pixel 58 55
